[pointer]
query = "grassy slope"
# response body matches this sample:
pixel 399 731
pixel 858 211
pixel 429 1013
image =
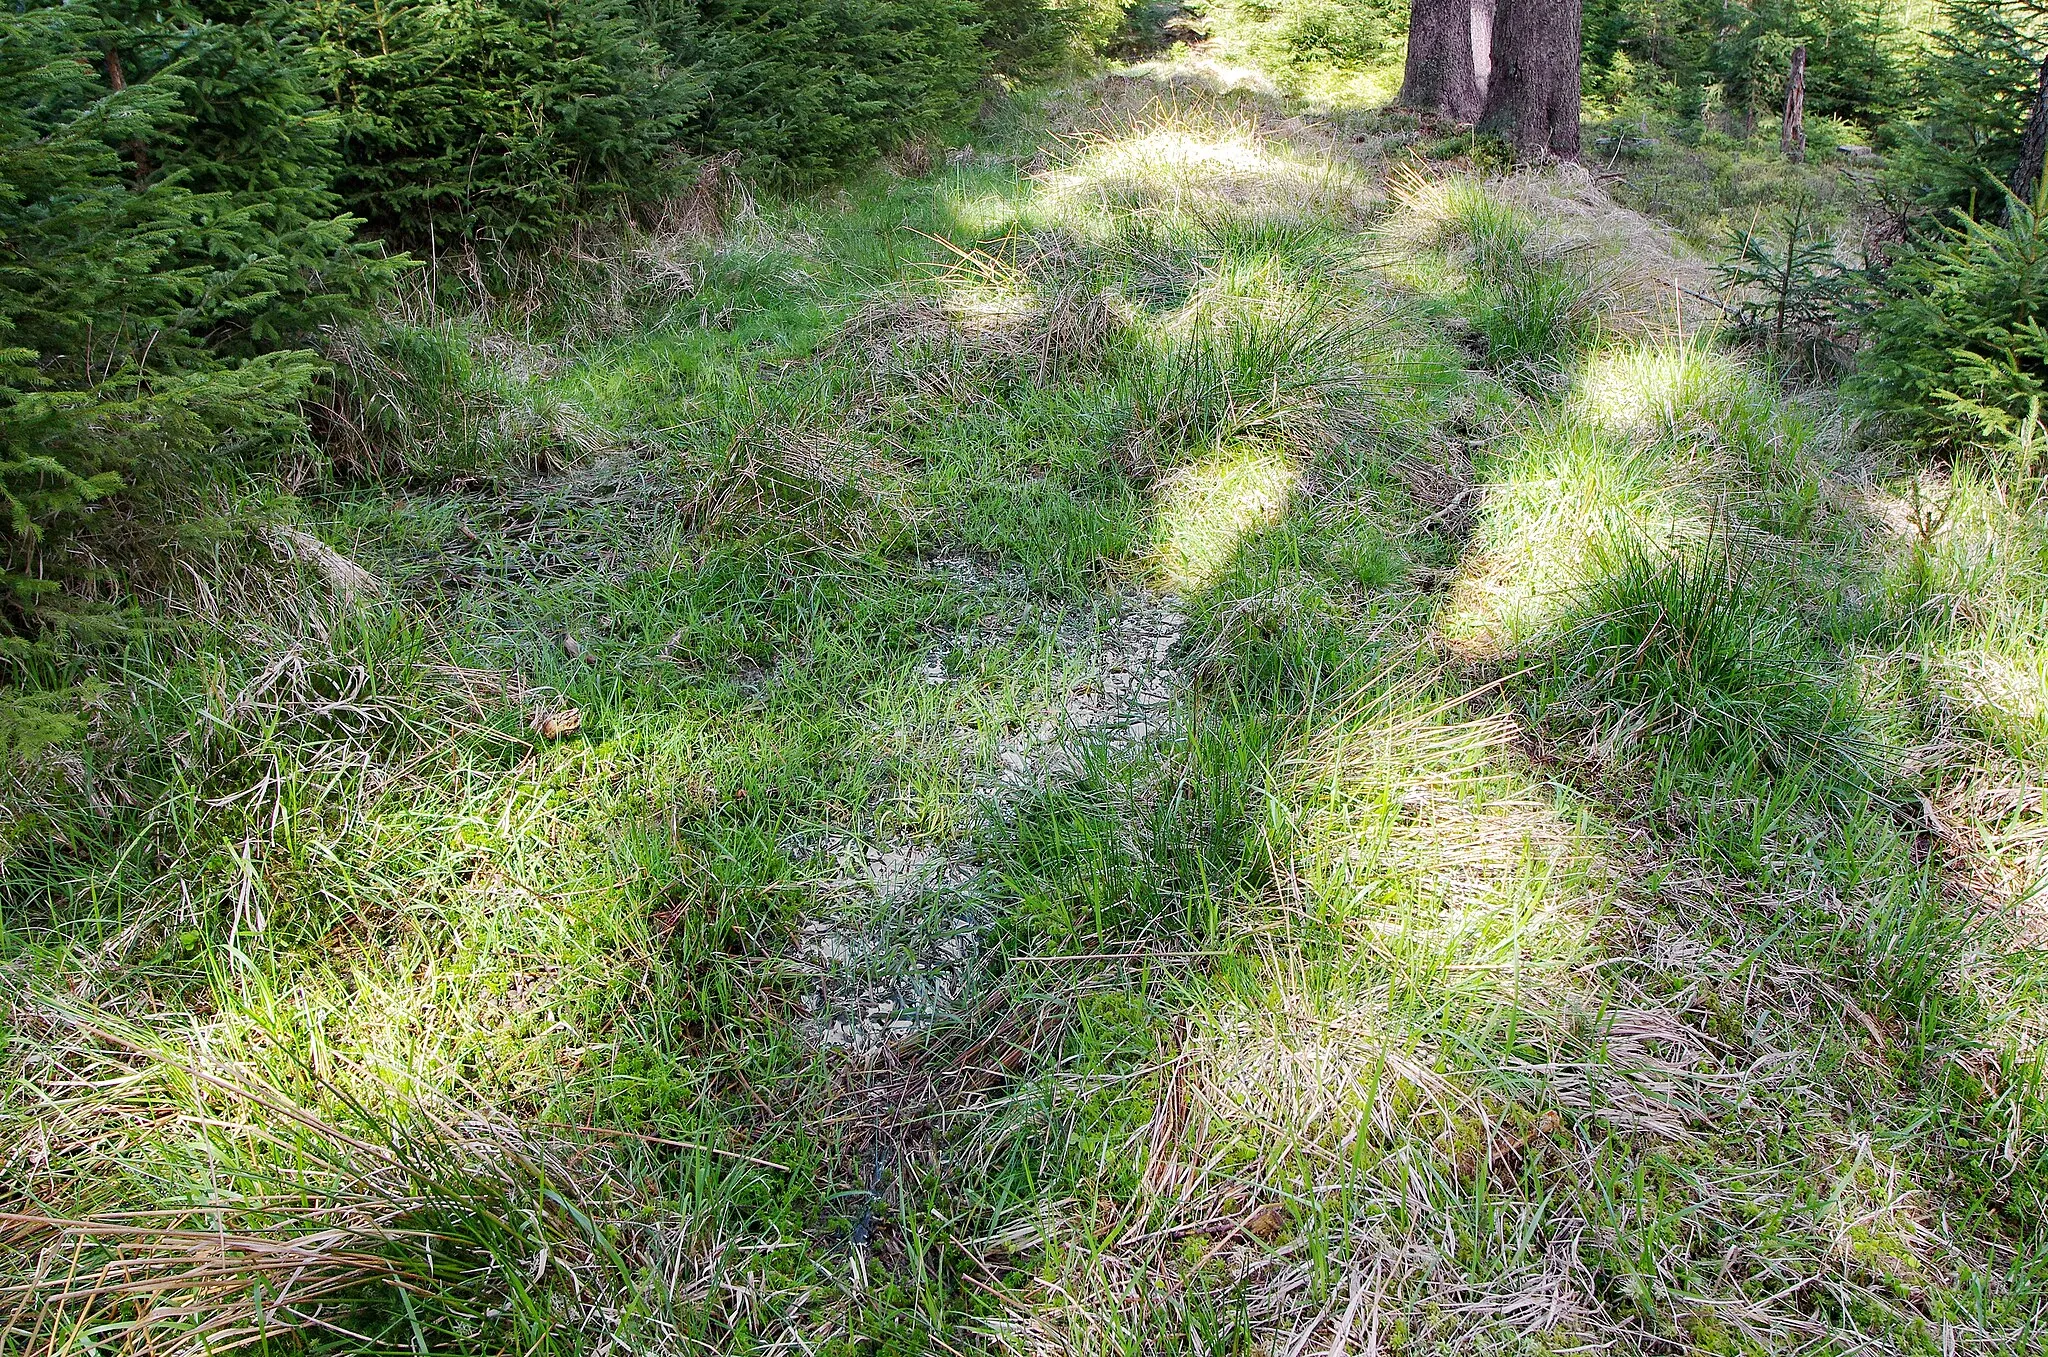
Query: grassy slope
pixel 1575 891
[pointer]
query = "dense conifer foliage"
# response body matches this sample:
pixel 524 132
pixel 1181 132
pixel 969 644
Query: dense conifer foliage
pixel 1683 53
pixel 171 238
pixel 1972 94
pixel 506 119
pixel 800 88
pixel 1958 354
pixel 191 190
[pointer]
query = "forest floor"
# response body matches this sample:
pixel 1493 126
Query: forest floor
pixel 1185 730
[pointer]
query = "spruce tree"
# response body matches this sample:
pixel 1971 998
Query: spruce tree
pixel 499 119
pixel 1443 74
pixel 168 241
pixel 1975 91
pixel 1534 94
pixel 804 88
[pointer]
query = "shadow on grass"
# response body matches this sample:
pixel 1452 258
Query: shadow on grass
pixel 1521 970
pixel 1512 936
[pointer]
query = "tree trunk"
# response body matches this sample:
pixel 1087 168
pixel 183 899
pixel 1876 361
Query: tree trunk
pixel 1533 96
pixel 1446 72
pixel 2026 176
pixel 1792 135
pixel 117 81
pixel 1482 50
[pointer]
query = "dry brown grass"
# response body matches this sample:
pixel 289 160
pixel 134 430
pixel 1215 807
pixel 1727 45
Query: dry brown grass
pixel 835 489
pixel 1666 287
pixel 304 1210
pixel 990 325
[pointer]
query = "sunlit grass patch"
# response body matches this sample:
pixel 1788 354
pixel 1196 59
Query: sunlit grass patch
pixel 1619 549
pixel 1459 212
pixel 2000 681
pixel 1557 492
pixel 1200 160
pixel 1297 1142
pixel 1537 298
pixel 1412 831
pixel 1303 372
pixel 1687 654
pixel 1956 562
pixel 1959 547
pixel 1205 509
pixel 193 1192
pixel 1655 389
pixel 1985 692
pixel 260 740
pixel 1702 405
pixel 1297 1063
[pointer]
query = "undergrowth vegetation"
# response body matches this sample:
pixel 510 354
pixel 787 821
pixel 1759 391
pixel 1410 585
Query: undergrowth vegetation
pixel 195 193
pixel 1163 735
pixel 166 262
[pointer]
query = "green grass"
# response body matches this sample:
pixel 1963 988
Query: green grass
pixel 1181 746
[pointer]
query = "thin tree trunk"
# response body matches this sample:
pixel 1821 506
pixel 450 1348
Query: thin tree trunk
pixel 1443 75
pixel 1533 96
pixel 117 80
pixel 1792 135
pixel 2026 176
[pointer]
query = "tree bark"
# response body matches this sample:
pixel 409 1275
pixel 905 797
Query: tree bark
pixel 1792 134
pixel 1448 47
pixel 1533 95
pixel 2026 176
pixel 1482 49
pixel 117 80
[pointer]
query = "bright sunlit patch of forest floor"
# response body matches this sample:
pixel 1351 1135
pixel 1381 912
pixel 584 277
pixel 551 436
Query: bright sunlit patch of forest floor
pixel 1179 732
